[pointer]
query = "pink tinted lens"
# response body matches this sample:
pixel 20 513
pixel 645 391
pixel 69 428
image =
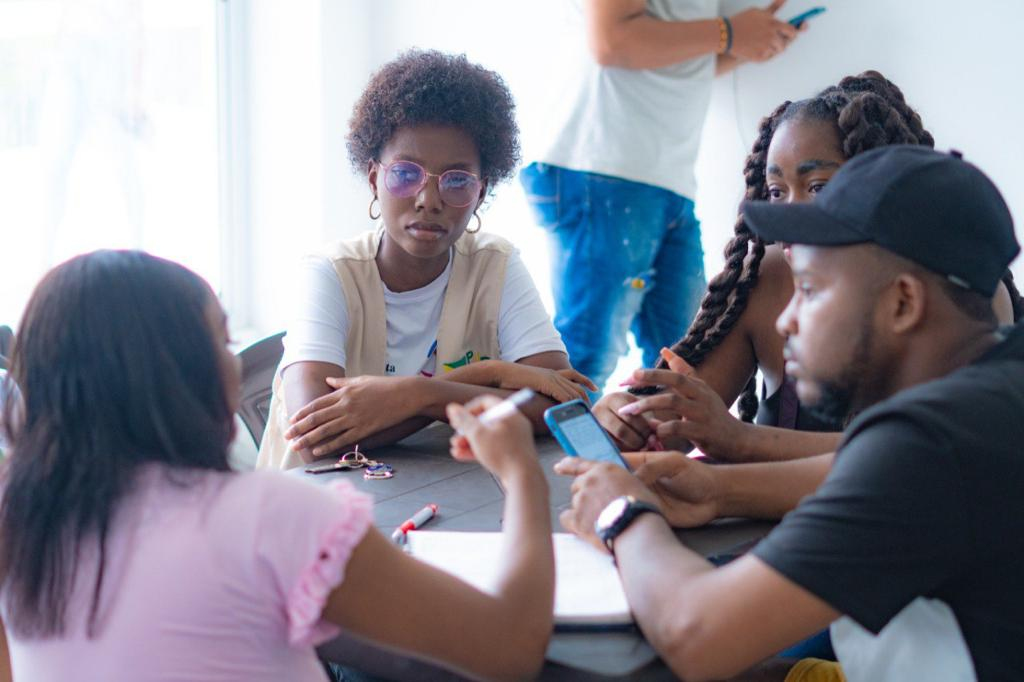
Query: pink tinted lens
pixel 459 188
pixel 404 178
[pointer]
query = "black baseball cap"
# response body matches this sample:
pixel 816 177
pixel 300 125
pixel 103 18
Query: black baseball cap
pixel 929 207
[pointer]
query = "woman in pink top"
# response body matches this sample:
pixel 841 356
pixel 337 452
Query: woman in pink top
pixel 130 551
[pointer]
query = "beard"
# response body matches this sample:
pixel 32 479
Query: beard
pixel 840 397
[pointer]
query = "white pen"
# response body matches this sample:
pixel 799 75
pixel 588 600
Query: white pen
pixel 507 406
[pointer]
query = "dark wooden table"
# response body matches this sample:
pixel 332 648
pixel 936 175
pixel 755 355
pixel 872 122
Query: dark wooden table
pixel 469 499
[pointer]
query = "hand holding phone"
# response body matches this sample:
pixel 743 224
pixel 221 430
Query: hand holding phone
pixel 799 19
pixel 580 434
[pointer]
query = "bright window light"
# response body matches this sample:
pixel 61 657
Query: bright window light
pixel 108 135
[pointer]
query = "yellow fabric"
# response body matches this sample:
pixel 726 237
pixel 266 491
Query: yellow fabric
pixel 467 332
pixel 815 670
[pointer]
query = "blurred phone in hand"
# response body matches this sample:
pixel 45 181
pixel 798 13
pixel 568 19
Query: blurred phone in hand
pixel 580 434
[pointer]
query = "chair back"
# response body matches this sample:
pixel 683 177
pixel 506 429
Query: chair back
pixel 259 363
pixel 6 342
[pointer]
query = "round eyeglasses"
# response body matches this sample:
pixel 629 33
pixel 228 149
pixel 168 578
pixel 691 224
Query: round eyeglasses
pixel 457 188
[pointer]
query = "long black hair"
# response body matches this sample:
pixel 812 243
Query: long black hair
pixel 117 366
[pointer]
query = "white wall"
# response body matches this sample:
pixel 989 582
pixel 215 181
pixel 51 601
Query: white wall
pixel 956 63
pixel 308 61
pixel 286 142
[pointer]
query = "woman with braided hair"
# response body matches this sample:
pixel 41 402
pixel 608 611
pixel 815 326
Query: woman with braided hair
pixel 799 146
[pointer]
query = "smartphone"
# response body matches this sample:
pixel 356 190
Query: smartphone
pixel 579 434
pixel 804 16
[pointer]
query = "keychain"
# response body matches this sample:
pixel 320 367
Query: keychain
pixel 378 470
pixel 355 460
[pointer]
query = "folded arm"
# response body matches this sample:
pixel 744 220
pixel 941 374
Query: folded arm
pixel 691 493
pixel 336 412
pixel 768 490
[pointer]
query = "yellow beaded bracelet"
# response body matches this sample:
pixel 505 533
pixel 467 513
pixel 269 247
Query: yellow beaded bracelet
pixel 724 36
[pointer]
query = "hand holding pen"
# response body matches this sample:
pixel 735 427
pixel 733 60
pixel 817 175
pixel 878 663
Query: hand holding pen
pixel 480 422
pixel 494 433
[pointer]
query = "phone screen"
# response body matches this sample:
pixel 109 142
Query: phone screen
pixel 581 435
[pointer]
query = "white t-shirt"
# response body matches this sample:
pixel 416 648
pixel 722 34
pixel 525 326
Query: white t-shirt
pixel 319 328
pixel 642 125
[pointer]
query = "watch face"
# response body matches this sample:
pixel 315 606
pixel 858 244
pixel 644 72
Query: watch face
pixel 612 513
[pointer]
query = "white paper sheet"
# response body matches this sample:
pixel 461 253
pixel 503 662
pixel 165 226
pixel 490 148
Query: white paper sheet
pixel 587 586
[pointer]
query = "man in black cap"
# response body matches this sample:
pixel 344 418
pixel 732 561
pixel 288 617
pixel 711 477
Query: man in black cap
pixel 913 545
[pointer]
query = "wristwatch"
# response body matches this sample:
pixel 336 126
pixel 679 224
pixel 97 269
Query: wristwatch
pixel 618 516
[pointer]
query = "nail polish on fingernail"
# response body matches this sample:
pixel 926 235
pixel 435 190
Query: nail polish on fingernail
pixel 627 409
pixel 628 382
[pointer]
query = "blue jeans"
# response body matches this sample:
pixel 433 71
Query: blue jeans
pixel 815 646
pixel 625 256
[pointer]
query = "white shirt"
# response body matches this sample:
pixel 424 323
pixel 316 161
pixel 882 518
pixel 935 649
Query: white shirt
pixel 921 642
pixel 320 326
pixel 642 125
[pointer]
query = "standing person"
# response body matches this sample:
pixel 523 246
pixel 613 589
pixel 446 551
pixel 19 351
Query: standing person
pixel 615 186
pixel 129 551
pixel 911 545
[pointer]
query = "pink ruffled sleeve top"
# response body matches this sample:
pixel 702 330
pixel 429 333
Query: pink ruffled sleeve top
pixel 209 576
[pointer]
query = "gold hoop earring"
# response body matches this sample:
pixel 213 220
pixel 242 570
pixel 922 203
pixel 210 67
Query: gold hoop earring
pixel 370 209
pixel 479 223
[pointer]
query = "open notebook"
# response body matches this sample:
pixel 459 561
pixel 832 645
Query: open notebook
pixel 588 592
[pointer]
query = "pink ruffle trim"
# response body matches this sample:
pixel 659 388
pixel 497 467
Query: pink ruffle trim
pixel 307 598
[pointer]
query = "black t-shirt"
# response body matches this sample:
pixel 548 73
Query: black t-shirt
pixel 926 499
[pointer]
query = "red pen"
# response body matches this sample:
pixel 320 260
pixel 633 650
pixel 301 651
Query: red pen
pixel 417 521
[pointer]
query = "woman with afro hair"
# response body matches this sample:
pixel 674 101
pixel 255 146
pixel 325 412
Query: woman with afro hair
pixel 424 309
pixel 799 146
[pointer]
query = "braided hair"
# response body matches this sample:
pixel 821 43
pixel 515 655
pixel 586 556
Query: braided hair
pixel 869 111
pixel 1015 298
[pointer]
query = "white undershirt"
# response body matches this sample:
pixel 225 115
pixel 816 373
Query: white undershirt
pixel 921 642
pixel 318 329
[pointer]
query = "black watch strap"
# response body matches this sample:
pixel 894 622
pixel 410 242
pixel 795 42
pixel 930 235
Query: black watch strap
pixel 631 509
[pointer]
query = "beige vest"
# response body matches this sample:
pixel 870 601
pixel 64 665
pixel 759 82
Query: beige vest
pixel 467 332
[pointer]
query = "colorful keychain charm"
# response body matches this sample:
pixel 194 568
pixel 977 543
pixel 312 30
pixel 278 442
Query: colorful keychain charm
pixel 378 470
